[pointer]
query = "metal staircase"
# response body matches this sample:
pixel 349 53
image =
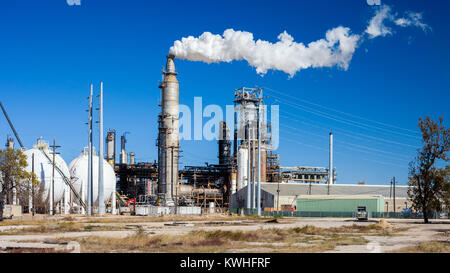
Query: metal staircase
pixel 66 180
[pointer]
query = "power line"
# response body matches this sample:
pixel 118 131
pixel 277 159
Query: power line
pixel 360 150
pixel 340 119
pixel 349 132
pixel 338 111
pixel 375 161
pixel 348 143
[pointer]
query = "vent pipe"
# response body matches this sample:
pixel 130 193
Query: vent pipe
pixel 330 171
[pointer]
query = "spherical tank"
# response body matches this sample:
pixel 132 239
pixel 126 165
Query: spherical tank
pixel 43 169
pixel 79 173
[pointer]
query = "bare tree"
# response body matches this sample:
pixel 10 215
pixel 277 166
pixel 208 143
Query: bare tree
pixel 427 182
pixel 31 188
pixel 12 164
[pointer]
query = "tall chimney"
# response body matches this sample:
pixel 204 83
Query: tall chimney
pixel 132 158
pixel 111 147
pixel 123 153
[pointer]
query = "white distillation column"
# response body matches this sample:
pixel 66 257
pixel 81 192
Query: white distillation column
pixel 169 139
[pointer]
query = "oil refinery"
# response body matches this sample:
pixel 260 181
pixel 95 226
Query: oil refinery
pixel 246 178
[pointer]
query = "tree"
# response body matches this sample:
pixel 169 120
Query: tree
pixel 13 174
pixel 446 175
pixel 427 182
pixel 31 188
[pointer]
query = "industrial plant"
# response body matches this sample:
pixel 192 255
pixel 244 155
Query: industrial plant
pixel 247 177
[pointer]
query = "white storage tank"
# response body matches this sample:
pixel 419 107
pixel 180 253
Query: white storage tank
pixel 79 174
pixel 43 168
pixel 242 160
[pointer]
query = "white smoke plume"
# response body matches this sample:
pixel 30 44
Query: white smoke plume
pixel 286 55
pixel 336 49
pixel 384 15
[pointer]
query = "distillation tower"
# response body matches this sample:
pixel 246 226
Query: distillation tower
pixel 168 139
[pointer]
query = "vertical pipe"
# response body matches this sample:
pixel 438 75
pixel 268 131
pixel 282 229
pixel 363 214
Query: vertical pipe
pixel 30 197
pixel 235 135
pixel 114 153
pixel 249 188
pixel 331 173
pixel 113 202
pixel 52 200
pixel 258 199
pixel 90 176
pixel 394 194
pixel 253 171
pixel 101 201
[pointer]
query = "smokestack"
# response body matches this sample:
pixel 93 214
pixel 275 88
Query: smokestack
pixel 111 147
pixel 168 139
pixel 10 143
pixel 224 144
pixel 330 171
pixel 132 157
pixel 123 153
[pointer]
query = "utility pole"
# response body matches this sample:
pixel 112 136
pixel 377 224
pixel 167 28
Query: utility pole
pixel 249 188
pixel 278 195
pixel 101 199
pixel 52 209
pixel 90 173
pixel 390 190
pixel 394 192
pixel 258 199
pixel 31 198
pixel 135 194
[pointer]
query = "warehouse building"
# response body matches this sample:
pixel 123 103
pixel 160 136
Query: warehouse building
pixel 295 196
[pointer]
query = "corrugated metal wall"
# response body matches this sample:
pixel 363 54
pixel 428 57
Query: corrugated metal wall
pixel 340 205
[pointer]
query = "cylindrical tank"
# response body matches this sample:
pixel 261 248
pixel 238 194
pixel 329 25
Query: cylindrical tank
pixel 79 174
pixel 207 192
pixel 110 147
pixel 132 158
pixel 233 182
pixel 242 160
pixel 184 189
pixel 43 170
pixel 263 163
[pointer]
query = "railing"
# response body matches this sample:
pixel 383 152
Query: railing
pixel 340 214
pixel 66 180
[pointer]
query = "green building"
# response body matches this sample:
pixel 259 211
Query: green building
pixel 339 203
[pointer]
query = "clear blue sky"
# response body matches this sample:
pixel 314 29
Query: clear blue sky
pixel 51 52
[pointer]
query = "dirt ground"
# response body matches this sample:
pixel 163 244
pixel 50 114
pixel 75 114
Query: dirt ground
pixel 67 234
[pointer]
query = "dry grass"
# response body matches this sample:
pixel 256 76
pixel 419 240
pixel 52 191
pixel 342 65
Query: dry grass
pixel 56 227
pixel 173 218
pixel 25 222
pixel 306 239
pixel 427 247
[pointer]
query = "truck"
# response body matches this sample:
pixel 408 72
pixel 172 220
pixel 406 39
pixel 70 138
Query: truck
pixel 361 214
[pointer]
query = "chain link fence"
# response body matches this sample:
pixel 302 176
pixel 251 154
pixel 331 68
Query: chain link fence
pixel 343 214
